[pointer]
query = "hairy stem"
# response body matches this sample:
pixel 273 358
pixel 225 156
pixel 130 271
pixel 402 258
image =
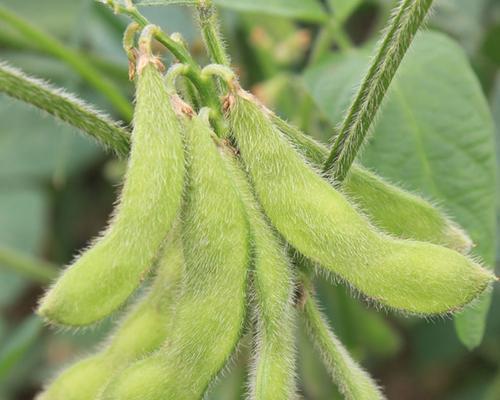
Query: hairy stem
pixel 409 16
pixel 36 270
pixel 206 87
pixel 210 31
pixel 64 107
pixel 353 382
pixel 86 70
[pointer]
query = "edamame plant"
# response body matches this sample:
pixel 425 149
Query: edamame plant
pixel 226 217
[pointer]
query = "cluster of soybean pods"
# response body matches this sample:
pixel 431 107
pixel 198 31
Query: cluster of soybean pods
pixel 223 235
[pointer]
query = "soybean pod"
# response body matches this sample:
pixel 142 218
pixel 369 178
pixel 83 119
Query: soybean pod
pixel 273 372
pixel 210 310
pixel 142 331
pixel 105 275
pixel 390 208
pixel 317 220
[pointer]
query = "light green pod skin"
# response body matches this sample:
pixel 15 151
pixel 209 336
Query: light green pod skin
pixel 142 331
pixel 210 310
pixel 353 382
pixel 105 275
pixel 316 219
pixel 273 372
pixel 390 208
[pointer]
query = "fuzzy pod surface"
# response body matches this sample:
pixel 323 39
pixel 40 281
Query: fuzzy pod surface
pixel 210 309
pixel 390 208
pixel 141 331
pixel 105 275
pixel 316 219
pixel 273 369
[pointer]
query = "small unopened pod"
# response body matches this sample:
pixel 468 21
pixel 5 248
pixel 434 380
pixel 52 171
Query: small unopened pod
pixel 273 370
pixel 210 310
pixel 321 224
pixel 390 208
pixel 142 331
pixel 104 276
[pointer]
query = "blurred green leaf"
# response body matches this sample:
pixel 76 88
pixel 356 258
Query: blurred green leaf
pixel 434 134
pixel 343 8
pixel 33 146
pixel 18 343
pixel 22 218
pixel 491 46
pixel 462 19
pixel 60 23
pixel 307 10
pixel 364 331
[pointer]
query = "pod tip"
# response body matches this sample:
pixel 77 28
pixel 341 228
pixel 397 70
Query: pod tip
pixel 458 239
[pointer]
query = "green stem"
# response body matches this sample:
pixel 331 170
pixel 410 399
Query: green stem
pixel 52 46
pixel 409 16
pixel 206 87
pixel 38 271
pixel 210 31
pixel 353 382
pixel 331 32
pixel 64 107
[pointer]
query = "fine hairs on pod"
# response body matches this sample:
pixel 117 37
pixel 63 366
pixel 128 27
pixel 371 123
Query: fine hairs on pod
pixel 390 208
pixel 273 369
pixel 410 276
pixel 141 331
pixel 210 310
pixel 105 275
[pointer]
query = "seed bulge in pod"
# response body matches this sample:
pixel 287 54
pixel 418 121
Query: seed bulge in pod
pixel 210 310
pixel 321 224
pixel 104 276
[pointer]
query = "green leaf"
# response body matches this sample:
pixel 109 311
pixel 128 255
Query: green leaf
pixel 435 134
pixel 22 214
pixel 18 343
pixel 462 19
pixel 306 10
pixel 344 8
pixel 33 146
pixel 491 45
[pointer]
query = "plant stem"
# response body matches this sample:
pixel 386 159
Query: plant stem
pixel 206 87
pixel 65 107
pixel 38 271
pixel 353 382
pixel 409 16
pixel 209 24
pixel 332 31
pixel 52 46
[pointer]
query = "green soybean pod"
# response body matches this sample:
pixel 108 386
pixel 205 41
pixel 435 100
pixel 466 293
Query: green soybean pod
pixel 142 331
pixel 105 275
pixel 390 208
pixel 211 307
pixel 317 220
pixel 353 382
pixel 273 371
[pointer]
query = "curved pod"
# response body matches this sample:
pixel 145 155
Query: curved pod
pixel 105 275
pixel 142 331
pixel 318 221
pixel 210 310
pixel 273 372
pixel 390 208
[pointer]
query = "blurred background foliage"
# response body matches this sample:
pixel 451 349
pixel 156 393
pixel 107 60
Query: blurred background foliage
pixel 303 58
